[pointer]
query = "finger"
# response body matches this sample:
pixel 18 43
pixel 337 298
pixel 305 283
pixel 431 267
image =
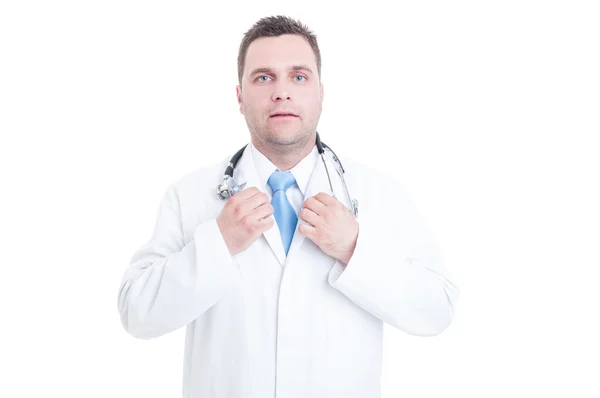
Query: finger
pixel 245 194
pixel 253 202
pixel 258 200
pixel 314 205
pixel 310 217
pixel 326 199
pixel 307 230
pixel 265 221
pixel 256 226
pixel 263 211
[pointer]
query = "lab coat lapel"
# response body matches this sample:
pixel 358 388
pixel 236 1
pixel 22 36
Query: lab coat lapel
pixel 245 172
pixel 319 182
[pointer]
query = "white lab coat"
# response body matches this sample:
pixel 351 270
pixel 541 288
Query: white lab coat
pixel 260 324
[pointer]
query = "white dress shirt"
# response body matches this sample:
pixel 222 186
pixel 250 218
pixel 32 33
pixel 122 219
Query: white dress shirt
pixel 301 172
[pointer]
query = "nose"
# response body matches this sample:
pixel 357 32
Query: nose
pixel 280 93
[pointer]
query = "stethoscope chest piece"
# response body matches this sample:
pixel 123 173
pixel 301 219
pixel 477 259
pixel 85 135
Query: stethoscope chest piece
pixel 228 187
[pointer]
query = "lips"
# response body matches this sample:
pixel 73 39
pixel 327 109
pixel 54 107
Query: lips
pixel 283 114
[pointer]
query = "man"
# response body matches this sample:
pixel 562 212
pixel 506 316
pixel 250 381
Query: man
pixel 284 292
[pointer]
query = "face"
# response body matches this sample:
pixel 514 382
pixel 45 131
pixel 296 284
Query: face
pixel 280 95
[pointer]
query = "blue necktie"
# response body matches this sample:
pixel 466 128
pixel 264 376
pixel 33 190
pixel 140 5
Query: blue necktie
pixel 284 213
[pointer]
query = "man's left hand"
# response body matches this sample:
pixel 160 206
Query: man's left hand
pixel 330 225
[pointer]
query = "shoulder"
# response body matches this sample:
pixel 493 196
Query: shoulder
pixel 375 190
pixel 367 175
pixel 213 171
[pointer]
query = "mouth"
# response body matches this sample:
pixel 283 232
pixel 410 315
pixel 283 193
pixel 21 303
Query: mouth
pixel 282 115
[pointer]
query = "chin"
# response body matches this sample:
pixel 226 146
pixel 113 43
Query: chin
pixel 285 137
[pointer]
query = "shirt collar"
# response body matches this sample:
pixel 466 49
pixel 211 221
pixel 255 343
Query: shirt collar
pixel 301 172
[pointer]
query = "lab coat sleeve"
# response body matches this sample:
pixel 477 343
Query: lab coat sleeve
pixel 396 272
pixel 168 282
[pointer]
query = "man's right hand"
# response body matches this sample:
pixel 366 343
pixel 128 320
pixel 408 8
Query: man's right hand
pixel 245 216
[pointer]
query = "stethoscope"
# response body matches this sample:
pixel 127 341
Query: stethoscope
pixel 228 187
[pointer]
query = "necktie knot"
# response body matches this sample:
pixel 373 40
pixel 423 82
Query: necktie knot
pixel 281 180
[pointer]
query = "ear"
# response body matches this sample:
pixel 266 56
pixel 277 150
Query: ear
pixel 238 93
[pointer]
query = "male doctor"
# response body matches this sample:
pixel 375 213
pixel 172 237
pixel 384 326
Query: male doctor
pixel 282 290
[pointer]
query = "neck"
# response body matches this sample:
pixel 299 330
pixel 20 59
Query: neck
pixel 285 157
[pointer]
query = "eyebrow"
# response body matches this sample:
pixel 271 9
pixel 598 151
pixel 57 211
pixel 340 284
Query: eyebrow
pixel 293 68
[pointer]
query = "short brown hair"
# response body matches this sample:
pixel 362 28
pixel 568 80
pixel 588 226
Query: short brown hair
pixel 272 27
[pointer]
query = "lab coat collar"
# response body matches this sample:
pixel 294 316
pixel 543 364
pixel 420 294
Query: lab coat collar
pixel 245 172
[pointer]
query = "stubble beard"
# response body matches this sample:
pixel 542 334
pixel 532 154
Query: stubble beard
pixel 282 143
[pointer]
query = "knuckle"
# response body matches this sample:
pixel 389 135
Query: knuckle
pixel 237 209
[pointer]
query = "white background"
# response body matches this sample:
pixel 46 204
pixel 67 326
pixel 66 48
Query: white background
pixel 487 111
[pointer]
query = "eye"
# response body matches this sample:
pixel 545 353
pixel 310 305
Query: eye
pixel 300 78
pixel 260 78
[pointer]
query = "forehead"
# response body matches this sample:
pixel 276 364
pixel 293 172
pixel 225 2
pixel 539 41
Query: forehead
pixel 279 53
